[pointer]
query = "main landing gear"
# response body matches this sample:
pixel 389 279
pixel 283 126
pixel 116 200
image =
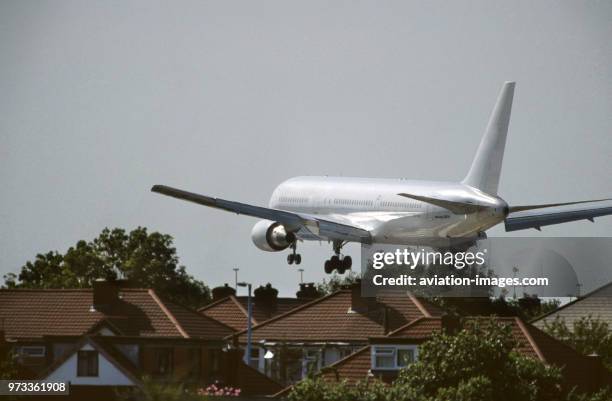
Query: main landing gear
pixel 338 261
pixel 294 257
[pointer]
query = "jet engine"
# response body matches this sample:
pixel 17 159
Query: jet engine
pixel 271 236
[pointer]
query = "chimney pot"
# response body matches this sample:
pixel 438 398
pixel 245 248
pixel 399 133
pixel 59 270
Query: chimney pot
pixel 307 291
pixel 222 292
pixel 266 297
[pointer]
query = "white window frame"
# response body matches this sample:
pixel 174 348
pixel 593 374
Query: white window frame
pixel 306 358
pixel 42 351
pixel 391 350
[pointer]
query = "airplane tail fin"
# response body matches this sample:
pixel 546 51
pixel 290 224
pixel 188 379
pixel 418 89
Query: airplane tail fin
pixel 486 167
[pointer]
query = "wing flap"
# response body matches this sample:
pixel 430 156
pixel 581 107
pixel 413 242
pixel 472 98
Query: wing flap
pixel 320 228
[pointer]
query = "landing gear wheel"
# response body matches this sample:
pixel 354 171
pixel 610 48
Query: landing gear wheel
pixel 347 263
pixel 294 257
pixel 342 264
pixel 328 267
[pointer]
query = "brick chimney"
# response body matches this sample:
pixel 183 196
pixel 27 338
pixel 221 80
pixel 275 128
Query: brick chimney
pixel 222 292
pixel 266 297
pixel 359 303
pixel 307 291
pixel 105 294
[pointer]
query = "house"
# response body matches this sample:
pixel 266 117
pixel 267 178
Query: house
pixel 110 336
pixel 385 355
pixel 319 333
pixel 597 303
pixel 232 310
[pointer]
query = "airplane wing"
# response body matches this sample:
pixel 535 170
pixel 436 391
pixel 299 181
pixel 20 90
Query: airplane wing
pixel 536 217
pixel 305 224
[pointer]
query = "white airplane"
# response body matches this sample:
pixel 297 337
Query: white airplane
pixel 443 215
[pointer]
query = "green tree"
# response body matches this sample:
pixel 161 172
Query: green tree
pixel 146 259
pixel 480 362
pixel 336 282
pixel 317 389
pixel 587 335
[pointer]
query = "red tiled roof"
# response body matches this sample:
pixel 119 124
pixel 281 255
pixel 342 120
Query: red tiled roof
pixel 330 318
pixel 531 342
pixel 423 328
pixel 253 382
pixel 418 329
pixel 34 313
pixel 228 311
pixel 597 303
pixel 232 310
pixel 196 325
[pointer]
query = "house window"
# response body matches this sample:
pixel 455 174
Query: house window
pixel 393 357
pixel 311 362
pixel 254 362
pixel 163 361
pixel 404 357
pixel 33 351
pixel 384 358
pixel 87 363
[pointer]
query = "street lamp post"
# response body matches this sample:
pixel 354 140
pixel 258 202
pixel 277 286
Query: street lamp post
pixel 301 276
pixel 236 278
pixel 247 354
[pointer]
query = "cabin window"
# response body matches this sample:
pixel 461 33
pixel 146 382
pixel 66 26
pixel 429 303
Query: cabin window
pixel 87 363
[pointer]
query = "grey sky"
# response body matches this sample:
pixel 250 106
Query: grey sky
pixel 100 100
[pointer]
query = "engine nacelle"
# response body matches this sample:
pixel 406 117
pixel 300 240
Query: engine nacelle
pixel 271 236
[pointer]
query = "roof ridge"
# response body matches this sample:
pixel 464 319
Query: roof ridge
pixel 292 311
pixel 542 332
pixel 578 299
pixel 245 312
pixel 195 313
pixel 419 305
pixel 213 303
pixel 168 313
pixel 532 342
pixel 405 326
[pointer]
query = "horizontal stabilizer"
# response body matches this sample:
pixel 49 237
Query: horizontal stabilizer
pixel 560 213
pixel 532 207
pixel 453 206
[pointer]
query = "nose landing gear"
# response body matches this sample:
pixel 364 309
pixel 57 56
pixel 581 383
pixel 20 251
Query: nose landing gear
pixel 338 261
pixel 294 257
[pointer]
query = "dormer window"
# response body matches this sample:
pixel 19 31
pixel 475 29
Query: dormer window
pixel 393 357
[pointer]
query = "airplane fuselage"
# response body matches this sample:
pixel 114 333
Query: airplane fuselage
pixel 398 211
pixel 374 205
